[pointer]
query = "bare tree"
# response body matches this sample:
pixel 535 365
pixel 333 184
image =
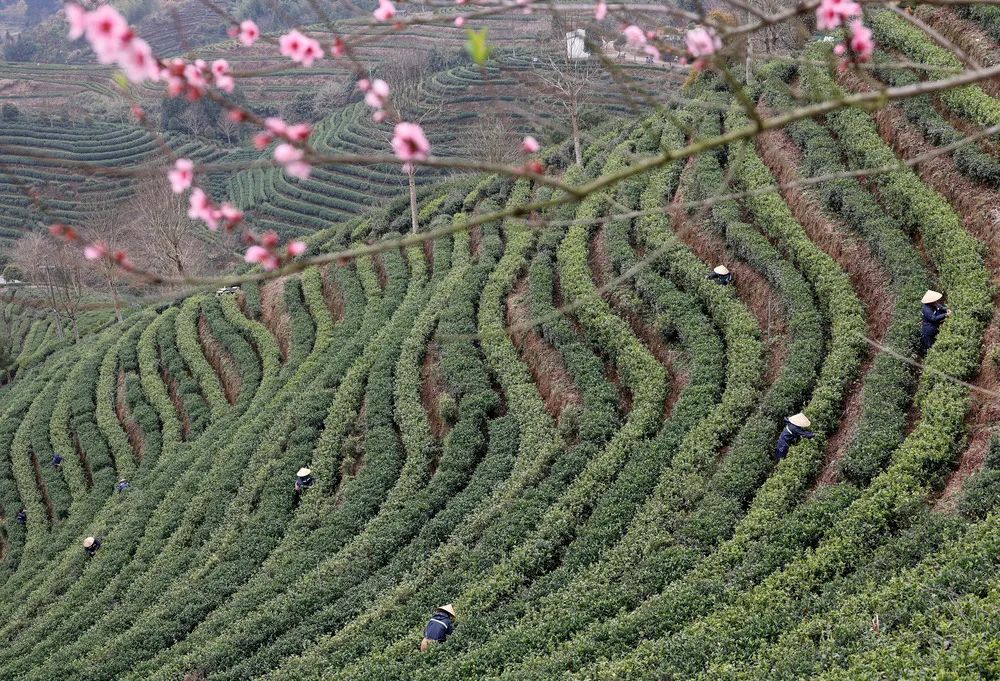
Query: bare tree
pixel 30 256
pixel 166 241
pixel 229 128
pixel 195 121
pixel 111 227
pixel 494 139
pixel 60 270
pixel 567 85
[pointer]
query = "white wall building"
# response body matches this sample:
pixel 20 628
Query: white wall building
pixel 576 45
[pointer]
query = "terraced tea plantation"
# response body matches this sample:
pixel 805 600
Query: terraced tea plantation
pixel 567 433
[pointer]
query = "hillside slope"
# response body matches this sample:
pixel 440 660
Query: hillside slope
pixel 594 490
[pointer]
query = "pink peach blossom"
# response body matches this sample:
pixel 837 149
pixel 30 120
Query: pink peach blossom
pixel 275 125
pixel 601 10
pixel 256 254
pixel 299 132
pixel 138 62
pixel 291 158
pixel 182 175
pixel 95 251
pixel 77 18
pixel 249 32
pixel 386 10
pixel 635 35
pixel 530 145
pixel 861 40
pixel 702 41
pixel 409 142
pixel 377 94
pixel 296 248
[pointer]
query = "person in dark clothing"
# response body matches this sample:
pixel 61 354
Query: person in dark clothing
pixel 303 480
pixel 90 546
pixel 721 275
pixel 57 461
pixel 796 428
pixel 122 485
pixel 440 627
pixel 934 313
pixel 22 516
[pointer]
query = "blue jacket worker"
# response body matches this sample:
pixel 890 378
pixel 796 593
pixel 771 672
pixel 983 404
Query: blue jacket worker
pixel 90 546
pixel 122 485
pixel 721 275
pixel 22 516
pixel 57 461
pixel 440 627
pixel 934 313
pixel 303 480
pixel 796 428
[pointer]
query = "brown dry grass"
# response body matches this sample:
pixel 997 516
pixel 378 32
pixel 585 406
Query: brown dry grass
pixel 88 474
pixel 331 295
pixel 431 389
pixel 476 241
pixel 967 36
pixel 554 383
pixel 128 424
pixel 220 359
pixel 383 279
pixel 868 279
pixel 274 315
pixel 752 289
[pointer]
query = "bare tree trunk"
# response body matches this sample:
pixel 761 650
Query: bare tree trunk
pixel 114 299
pixel 576 136
pixel 55 307
pixel 414 224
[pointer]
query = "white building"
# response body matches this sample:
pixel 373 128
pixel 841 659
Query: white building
pixel 576 44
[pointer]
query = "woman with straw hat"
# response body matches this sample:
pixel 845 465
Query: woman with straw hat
pixel 721 275
pixel 440 627
pixel 90 546
pixel 303 481
pixel 934 313
pixel 796 428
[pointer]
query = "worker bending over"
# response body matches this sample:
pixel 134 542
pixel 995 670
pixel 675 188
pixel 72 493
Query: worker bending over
pixel 721 275
pixel 934 313
pixel 796 428
pixel 440 627
pixel 90 546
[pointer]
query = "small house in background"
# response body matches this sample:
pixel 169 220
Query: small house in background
pixel 576 44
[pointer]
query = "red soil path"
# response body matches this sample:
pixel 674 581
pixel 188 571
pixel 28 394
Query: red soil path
pixel 220 359
pixel 128 424
pixel 431 389
pixel 602 271
pixel 868 279
pixel 752 289
pixel 979 209
pixel 554 383
pixel 274 315
pixel 968 37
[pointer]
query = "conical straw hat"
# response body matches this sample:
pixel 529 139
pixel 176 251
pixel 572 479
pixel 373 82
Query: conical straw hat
pixel 88 542
pixel 303 472
pixel 800 420
pixel 449 608
pixel 721 269
pixel 931 297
